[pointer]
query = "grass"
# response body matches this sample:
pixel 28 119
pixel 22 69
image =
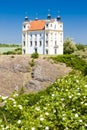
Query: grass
pixel 6 49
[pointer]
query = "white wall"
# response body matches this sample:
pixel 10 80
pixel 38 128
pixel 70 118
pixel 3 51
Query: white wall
pixel 55 34
pixel 37 36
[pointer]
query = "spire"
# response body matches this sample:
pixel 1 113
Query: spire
pixel 58 17
pixel 48 16
pixel 36 17
pixel 26 17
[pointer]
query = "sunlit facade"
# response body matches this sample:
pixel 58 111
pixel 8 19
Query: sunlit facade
pixel 42 36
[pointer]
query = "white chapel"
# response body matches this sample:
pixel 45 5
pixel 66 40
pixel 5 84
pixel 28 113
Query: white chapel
pixel 42 36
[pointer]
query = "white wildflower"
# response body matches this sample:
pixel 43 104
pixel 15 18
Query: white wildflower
pixel 76 115
pixel 63 118
pixel 4 97
pixel 45 108
pixel 55 82
pixel 12 99
pixel 66 128
pixel 20 107
pixel 82 102
pixel 84 97
pixel 86 125
pixel 15 95
pixel 70 96
pixel 62 99
pixel 37 108
pixel 80 120
pixel 41 115
pixel 3 128
pixel 78 88
pixel 86 86
pixel 63 105
pixel 41 118
pixel 52 95
pixel 77 81
pixel 40 126
pixel 85 104
pixel 46 113
pixel 14 105
pixel 62 89
pixel 54 111
pixel 46 128
pixel 33 128
pixel 14 102
pixel 78 94
pixel 7 127
pixel 64 115
pixel 73 109
pixel 19 121
pixel 66 90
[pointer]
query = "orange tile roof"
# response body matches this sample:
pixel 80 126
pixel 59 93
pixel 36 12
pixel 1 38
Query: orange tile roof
pixel 37 25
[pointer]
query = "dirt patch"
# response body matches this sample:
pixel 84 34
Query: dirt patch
pixel 15 72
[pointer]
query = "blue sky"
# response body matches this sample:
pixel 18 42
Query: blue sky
pixel 73 14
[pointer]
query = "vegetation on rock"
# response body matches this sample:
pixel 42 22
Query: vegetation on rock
pixel 71 60
pixel 34 55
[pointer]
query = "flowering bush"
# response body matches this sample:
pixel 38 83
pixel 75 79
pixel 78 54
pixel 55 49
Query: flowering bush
pixel 62 106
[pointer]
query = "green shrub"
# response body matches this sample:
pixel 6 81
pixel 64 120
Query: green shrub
pixel 18 50
pixel 72 61
pixel 35 55
pixel 9 53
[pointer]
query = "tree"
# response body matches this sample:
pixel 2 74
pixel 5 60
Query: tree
pixel 69 46
pixel 80 46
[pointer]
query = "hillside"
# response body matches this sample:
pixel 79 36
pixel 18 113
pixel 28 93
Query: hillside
pixel 60 106
pixel 16 71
